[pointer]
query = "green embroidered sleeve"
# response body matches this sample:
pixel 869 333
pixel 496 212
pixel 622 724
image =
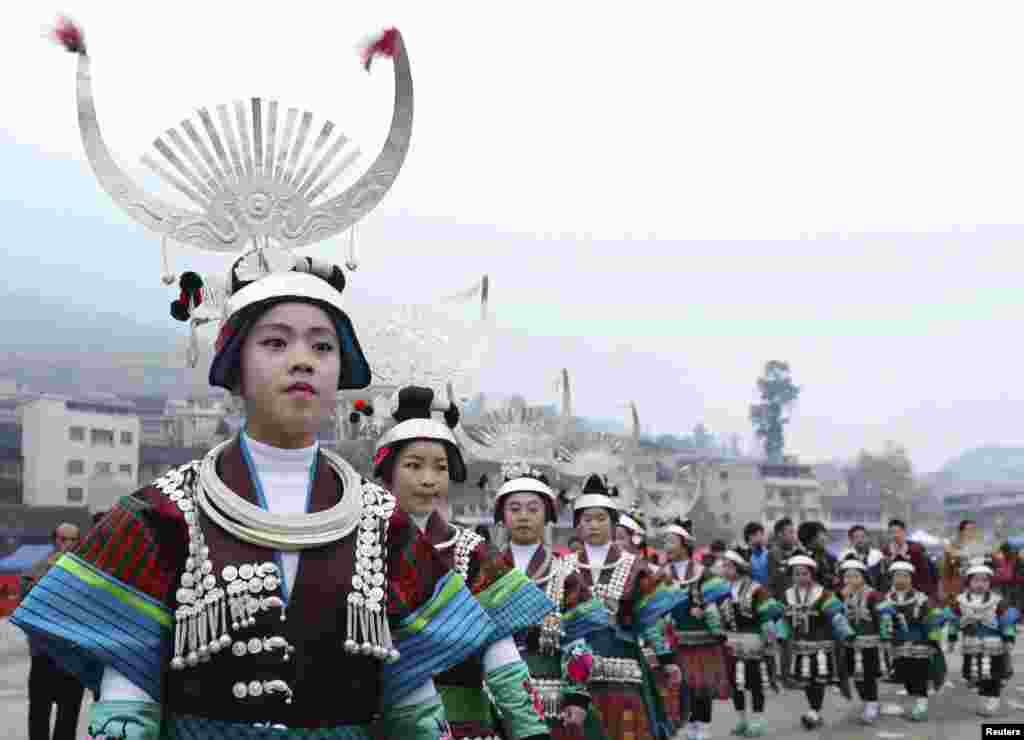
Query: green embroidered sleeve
pixel 521 709
pixel 713 619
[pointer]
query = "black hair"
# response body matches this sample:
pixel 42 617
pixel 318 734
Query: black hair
pixel 248 316
pixel 597 485
pixel 415 403
pixel 897 523
pixel 856 528
pixel 964 523
pixel 781 525
pixel 751 529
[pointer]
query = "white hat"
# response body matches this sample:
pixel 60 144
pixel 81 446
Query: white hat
pixel 527 484
pixel 852 562
pixel 802 560
pixel 415 408
pixel 681 527
pixel 596 495
pixel 979 566
pixel 901 566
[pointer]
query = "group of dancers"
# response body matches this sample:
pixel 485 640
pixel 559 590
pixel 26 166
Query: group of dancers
pixel 268 591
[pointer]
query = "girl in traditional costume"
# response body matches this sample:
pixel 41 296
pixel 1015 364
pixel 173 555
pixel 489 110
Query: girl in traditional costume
pixel 699 639
pixel 989 629
pixel 631 537
pixel 864 613
pixel 621 684
pixel 418 459
pixel 916 628
pixel 260 572
pixel 814 622
pixel 556 650
pixel 225 599
pixel 749 616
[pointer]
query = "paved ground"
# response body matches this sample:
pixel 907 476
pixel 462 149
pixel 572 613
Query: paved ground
pixel 952 714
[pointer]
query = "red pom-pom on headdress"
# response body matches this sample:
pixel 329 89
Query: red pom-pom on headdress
pixel 385 45
pixel 68 34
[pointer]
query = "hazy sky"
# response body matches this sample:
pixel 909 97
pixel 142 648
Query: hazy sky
pixel 687 193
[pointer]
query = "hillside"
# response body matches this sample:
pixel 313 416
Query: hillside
pixel 990 463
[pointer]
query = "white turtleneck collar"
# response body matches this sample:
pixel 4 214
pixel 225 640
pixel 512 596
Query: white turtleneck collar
pixel 679 568
pixel 277 460
pixel 597 554
pixel 523 554
pixel 284 477
pixel 420 520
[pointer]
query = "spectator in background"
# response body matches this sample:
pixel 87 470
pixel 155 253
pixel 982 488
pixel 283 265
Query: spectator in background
pixel 860 548
pixel 784 546
pixel 713 559
pixel 925 577
pixel 48 684
pixel 756 553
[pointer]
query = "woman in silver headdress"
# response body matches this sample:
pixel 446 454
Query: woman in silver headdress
pixel 556 649
pixel 622 685
pixel 225 599
pixel 417 460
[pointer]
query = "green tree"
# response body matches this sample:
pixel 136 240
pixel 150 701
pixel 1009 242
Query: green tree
pixel 778 393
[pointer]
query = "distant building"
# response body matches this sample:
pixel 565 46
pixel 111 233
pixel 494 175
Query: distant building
pixel 71 447
pixel 790 490
pixel 10 463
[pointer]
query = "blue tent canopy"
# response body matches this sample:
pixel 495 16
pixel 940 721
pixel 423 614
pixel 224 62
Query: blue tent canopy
pixel 24 558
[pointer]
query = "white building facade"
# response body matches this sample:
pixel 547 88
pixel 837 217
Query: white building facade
pixel 78 453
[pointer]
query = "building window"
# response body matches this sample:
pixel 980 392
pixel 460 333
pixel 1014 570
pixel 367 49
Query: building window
pixel 726 497
pixel 76 434
pixel 769 494
pixel 125 470
pixel 103 468
pixel 103 437
pixel 727 519
pixel 723 476
pixel 76 495
pixel 76 467
pixel 126 438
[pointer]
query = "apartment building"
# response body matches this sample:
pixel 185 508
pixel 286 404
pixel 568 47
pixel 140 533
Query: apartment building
pixel 78 452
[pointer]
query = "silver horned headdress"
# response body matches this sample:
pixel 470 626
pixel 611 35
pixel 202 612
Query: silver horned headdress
pixel 258 190
pixel 261 195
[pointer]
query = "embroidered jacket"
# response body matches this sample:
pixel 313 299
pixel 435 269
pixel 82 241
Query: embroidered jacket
pixel 556 649
pixel 514 603
pixel 983 616
pixel 814 615
pixel 751 609
pixel 864 611
pixel 912 617
pixel 157 579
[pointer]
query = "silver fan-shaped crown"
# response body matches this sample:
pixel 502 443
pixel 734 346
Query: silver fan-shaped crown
pixel 521 433
pixel 591 452
pixel 252 185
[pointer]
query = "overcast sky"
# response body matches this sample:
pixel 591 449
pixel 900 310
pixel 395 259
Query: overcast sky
pixel 685 193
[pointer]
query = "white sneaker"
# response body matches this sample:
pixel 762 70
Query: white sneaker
pixel 870 712
pixel 988 706
pixel 702 731
pixel 691 731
